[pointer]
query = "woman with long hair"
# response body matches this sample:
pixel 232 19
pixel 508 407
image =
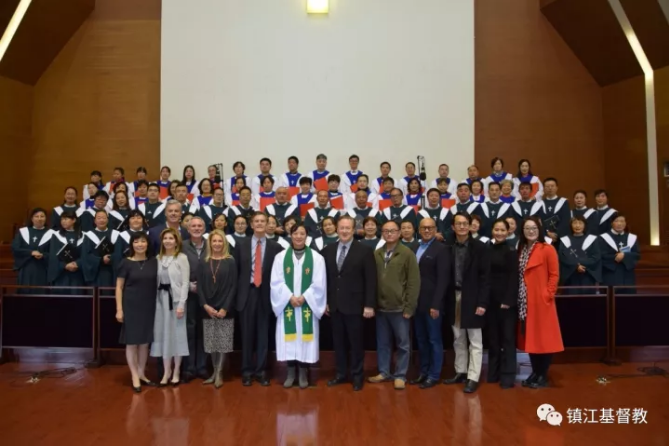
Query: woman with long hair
pixel 525 175
pixel 136 280
pixel 414 194
pixel 216 288
pixel 30 250
pixel 538 277
pixel 191 182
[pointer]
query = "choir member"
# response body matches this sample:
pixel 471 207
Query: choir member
pixel 119 211
pixel 288 223
pixel 69 204
pixel 605 214
pixel 556 209
pixel 65 265
pixel 216 206
pixel 385 200
pixel 447 199
pixel 206 188
pixel 527 206
pixel 377 185
pixel 306 199
pixel 408 234
pixel 87 219
pixel 182 197
pixel 620 255
pixel 298 297
pixel 266 197
pixel 498 174
pixel 512 238
pixel 451 186
pixel 290 179
pixel 214 177
pixel 190 181
pixel 89 201
pixel 525 176
pixel 136 281
pixel 472 175
pixel 240 225
pixel 136 224
pixel 329 234
pixel 265 168
pixel 97 253
pixel 319 177
pixel 433 210
pixel 414 194
pixel 216 290
pixel 496 207
pixel 270 232
pixel 371 233
pixel 118 177
pixel 477 191
pixel 475 228
pixel 233 197
pixel 580 258
pixel 464 203
pixel 231 184
pixel 410 169
pixel 140 174
pixel 30 250
pixel 173 190
pixel 153 209
pixel 141 192
pixel 363 185
pixel 501 316
pixel 398 211
pixel 588 214
pixel 185 220
pixel 95 179
pixel 243 209
pixel 281 209
pixel 507 195
pixel 164 182
pixel 349 179
pixel 361 211
pixel 316 215
pixel 170 340
pixel 336 197
pixel 539 273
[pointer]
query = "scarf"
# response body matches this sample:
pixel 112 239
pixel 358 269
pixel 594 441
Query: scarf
pixel 522 289
pixel 289 317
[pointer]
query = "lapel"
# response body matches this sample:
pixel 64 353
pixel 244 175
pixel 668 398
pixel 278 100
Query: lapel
pixel 535 258
pixel 470 255
pixel 351 250
pixel 427 252
pixel 266 266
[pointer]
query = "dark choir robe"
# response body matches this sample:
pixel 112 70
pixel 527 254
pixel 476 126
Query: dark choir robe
pixel 57 275
pixel 315 217
pixel 321 242
pixel 402 213
pixel 584 250
pixel 481 238
pixel 557 216
pixel 122 247
pixel 208 212
pixel 605 217
pixel 278 239
pixel 468 207
pixel 359 215
pixel 237 238
pixel 374 244
pixel 619 273
pixel 59 210
pixel 232 212
pixel 281 211
pixel 413 245
pixel 522 210
pixel 117 219
pixel 442 216
pixel 512 241
pixel 154 213
pixel 96 272
pixel 590 216
pixel 497 210
pixel 188 207
pixel 31 271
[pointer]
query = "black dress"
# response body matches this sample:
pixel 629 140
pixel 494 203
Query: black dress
pixel 139 300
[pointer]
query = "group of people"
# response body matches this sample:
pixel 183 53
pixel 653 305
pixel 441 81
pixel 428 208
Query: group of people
pixel 189 258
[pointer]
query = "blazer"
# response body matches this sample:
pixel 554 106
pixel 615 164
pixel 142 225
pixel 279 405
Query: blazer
pixel 434 266
pixel 179 271
pixel 154 237
pixel 354 287
pixel 243 256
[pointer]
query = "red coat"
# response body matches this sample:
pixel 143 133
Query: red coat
pixel 542 329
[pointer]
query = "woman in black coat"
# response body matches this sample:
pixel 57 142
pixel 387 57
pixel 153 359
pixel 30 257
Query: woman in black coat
pixel 501 314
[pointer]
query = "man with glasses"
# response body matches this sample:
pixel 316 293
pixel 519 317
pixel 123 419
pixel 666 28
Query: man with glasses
pixel 434 264
pixel 397 296
pixel 399 211
pixel 468 297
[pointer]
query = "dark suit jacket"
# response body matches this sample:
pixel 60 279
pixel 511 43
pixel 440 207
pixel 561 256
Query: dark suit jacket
pixel 354 288
pixel 435 266
pixel 243 256
pixel 475 285
pixel 154 236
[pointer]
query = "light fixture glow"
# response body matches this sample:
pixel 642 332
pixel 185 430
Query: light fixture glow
pixel 13 25
pixel 318 6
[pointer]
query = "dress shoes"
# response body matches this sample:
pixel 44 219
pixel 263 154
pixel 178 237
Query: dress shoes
pixel 262 380
pixel 337 381
pixel 506 384
pixel 357 384
pixel 529 381
pixel 137 389
pixel 419 380
pixel 458 378
pixel 471 387
pixel 204 375
pixel 428 383
pixel 187 378
pixel 540 382
pixel 247 381
pixel 148 382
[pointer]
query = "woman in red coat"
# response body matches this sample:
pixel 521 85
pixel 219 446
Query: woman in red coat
pixel 539 329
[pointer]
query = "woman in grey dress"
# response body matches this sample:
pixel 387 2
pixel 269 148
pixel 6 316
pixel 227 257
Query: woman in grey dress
pixel 169 334
pixel 216 288
pixel 136 306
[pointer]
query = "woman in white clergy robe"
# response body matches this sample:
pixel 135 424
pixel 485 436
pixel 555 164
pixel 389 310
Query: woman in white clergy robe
pixel 298 301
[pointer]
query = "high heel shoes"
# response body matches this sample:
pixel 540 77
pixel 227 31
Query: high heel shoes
pixel 136 389
pixel 148 382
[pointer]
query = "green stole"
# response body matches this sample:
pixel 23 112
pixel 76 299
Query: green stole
pixel 289 323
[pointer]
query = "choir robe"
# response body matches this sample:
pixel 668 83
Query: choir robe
pixel 84 190
pixel 263 200
pixel 290 181
pixel 478 199
pixel 399 214
pixel 557 209
pixel 507 199
pixel 56 273
pixel 109 188
pixel 469 181
pixel 590 216
pixel 31 271
pixel 87 219
pixel 304 202
pixel 117 219
pixel 278 239
pixel 537 186
pixel 522 210
pixel 229 185
pixel 189 207
pixel 154 213
pixel 201 201
pixel 605 217
pixel 499 178
pixel 315 297
pixel 377 185
pixel 413 244
pixel 372 198
pixel 374 244
pixel 414 201
pixel 384 201
pixel 256 187
pixel 442 217
pixel 319 180
pixel 96 272
pixel 498 210
pixel 448 200
pixel 473 208
pixel 481 238
pixel 208 212
pixel 141 200
pixel 512 241
pixel 584 250
pixel 193 189
pixel 452 186
pixel 282 210
pixel 315 217
pixel 349 182
pixel 404 183
pixel 359 215
pixel 232 199
pixel 122 247
pixel 619 273
pixel 164 188
pixel 86 204
pixel 59 210
pixel 232 212
pixel 337 200
pixel 321 242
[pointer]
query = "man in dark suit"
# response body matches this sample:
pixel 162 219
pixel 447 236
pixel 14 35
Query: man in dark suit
pixel 255 256
pixel 435 267
pixel 467 300
pixel 351 280
pixel 173 217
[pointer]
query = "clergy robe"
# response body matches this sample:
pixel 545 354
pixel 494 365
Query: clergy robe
pixel 402 213
pixel 605 217
pixel 590 216
pixel 442 217
pixel 281 211
pixel 298 349
pixel 584 250
pixel 290 181
pixel 154 213
pixel 31 271
pixel 208 212
pixel 321 242
pixel 315 217
pixel 96 272
pixel 57 275
pixel 557 216
pixel 619 273
pixel 59 210
pixel 304 202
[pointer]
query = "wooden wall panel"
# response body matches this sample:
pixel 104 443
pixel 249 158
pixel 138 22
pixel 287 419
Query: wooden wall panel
pixel 15 141
pixel 662 121
pixel 98 104
pixel 624 111
pixel 534 99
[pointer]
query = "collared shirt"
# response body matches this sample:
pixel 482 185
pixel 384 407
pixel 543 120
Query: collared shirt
pixel 460 252
pixel 254 243
pixel 422 248
pixel 389 255
pixel 343 244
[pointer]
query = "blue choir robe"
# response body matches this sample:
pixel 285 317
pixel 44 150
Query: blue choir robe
pixel 31 271
pixel 583 250
pixel 442 217
pixel 374 243
pixel 59 210
pixel 57 275
pixel 522 210
pixel 359 215
pixel 321 242
pixel 478 199
pixel 414 201
pixel 86 204
pixel 282 210
pixel 605 217
pixel 507 199
pixel 315 217
pixel 232 212
pixel 96 272
pixel 208 212
pixel 201 201
pixel 154 213
pixel 402 213
pixel 349 182
pixel 557 216
pixel 229 187
pixel 619 273
pixel 494 177
pixel 590 217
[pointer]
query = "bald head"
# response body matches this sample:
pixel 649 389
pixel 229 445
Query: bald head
pixel 427 229
pixel 282 195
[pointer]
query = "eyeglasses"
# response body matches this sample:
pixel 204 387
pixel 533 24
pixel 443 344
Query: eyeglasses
pixel 428 228
pixel 389 231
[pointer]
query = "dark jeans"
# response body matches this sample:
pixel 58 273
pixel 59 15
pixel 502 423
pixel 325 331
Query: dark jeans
pixel 541 363
pixel 501 342
pixel 347 331
pixel 254 321
pixel 389 325
pixel 196 362
pixel 430 344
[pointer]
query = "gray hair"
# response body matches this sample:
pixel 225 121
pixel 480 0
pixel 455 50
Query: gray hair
pixel 196 218
pixel 172 202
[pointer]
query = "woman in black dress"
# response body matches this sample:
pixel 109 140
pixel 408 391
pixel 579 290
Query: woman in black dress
pixel 136 281
pixel 216 288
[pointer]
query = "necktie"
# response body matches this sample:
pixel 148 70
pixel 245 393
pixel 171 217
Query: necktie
pixel 257 266
pixel 342 256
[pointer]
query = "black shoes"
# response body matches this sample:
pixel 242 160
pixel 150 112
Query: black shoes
pixel 187 377
pixel 357 384
pixel 247 381
pixel 458 378
pixel 204 375
pixel 147 382
pixel 262 380
pixel 472 386
pixel 419 380
pixel 337 381
pixel 529 381
pixel 428 383
pixel 506 384
pixel 540 382
pixel 136 389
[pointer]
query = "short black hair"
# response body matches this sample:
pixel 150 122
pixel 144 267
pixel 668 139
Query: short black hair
pixel 479 182
pixel 154 185
pixel 502 220
pixel 267 177
pixel 101 193
pixel 601 191
pixel 306 180
pixel 143 183
pixel 120 169
pixel 551 179
pixel 464 184
pixel 464 214
pixel 385 163
pixel 166 167
pixel 397 189
pixel 181 185
pixel 267 160
pixel 245 188
pixel 239 163
pixel 363 175
pixel 334 178
pixel 297 226
pixel 524 184
pixel 98 173
pixel 321 157
pixel 581 191
pixel 389 180
pixel 32 214
pixel 442 180
pixel 444 164
pixel 353 156
pixel 410 163
pixel 393 222
pixel 137 236
pixel 141 169
pixel 494 183
pixel 294 158
pixel 431 190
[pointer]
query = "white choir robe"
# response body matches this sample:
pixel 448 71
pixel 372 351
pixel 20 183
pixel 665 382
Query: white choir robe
pixel 315 296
